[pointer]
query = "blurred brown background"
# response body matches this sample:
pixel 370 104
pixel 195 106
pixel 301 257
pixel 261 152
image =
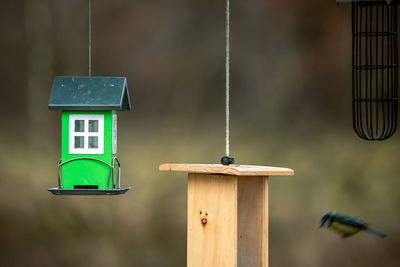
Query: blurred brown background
pixel 290 107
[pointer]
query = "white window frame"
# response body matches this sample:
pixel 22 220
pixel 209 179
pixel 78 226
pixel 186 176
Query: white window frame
pixel 114 134
pixel 86 134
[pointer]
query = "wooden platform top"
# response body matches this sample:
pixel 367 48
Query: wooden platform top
pixel 239 170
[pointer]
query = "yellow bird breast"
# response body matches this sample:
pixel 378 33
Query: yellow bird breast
pixel 344 228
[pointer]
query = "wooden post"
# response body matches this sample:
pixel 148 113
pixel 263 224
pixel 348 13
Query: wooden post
pixel 227 214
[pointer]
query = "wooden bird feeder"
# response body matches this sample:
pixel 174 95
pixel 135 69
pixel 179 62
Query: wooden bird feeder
pixel 227 214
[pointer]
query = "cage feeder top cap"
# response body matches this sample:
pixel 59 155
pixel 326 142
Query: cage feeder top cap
pixel 89 93
pixel 350 1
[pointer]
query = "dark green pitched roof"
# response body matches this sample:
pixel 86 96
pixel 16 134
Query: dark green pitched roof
pixel 89 93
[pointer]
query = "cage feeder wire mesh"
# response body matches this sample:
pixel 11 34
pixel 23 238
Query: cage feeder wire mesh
pixel 375 68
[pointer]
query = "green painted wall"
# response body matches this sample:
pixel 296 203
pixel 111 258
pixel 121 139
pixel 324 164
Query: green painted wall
pixel 86 172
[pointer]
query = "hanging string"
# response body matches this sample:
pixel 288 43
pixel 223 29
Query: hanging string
pixel 227 50
pixel 227 160
pixel 90 38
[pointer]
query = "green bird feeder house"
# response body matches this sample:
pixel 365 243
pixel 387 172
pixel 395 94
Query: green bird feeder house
pixel 89 105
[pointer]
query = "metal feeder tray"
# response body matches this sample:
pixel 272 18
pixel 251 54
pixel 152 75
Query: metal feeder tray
pixel 116 191
pixel 88 191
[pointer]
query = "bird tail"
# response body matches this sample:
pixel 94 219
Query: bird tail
pixel 375 232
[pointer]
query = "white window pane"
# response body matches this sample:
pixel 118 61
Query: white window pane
pixel 79 126
pixel 89 134
pixel 93 126
pixel 79 142
pixel 93 142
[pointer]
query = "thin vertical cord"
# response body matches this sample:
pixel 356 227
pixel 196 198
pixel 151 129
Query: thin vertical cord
pixel 227 76
pixel 90 38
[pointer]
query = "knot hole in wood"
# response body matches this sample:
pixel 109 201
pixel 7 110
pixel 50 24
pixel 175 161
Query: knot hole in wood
pixel 203 217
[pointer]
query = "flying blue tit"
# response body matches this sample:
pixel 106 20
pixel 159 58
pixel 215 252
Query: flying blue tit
pixel 347 225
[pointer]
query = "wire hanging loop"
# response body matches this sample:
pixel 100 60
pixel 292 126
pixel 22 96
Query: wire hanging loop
pixel 227 160
pixel 375 69
pixel 90 38
pixel 227 76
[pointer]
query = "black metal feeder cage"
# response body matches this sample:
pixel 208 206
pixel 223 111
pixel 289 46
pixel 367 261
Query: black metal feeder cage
pixel 375 68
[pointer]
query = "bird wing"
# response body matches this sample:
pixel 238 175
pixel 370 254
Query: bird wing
pixel 350 220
